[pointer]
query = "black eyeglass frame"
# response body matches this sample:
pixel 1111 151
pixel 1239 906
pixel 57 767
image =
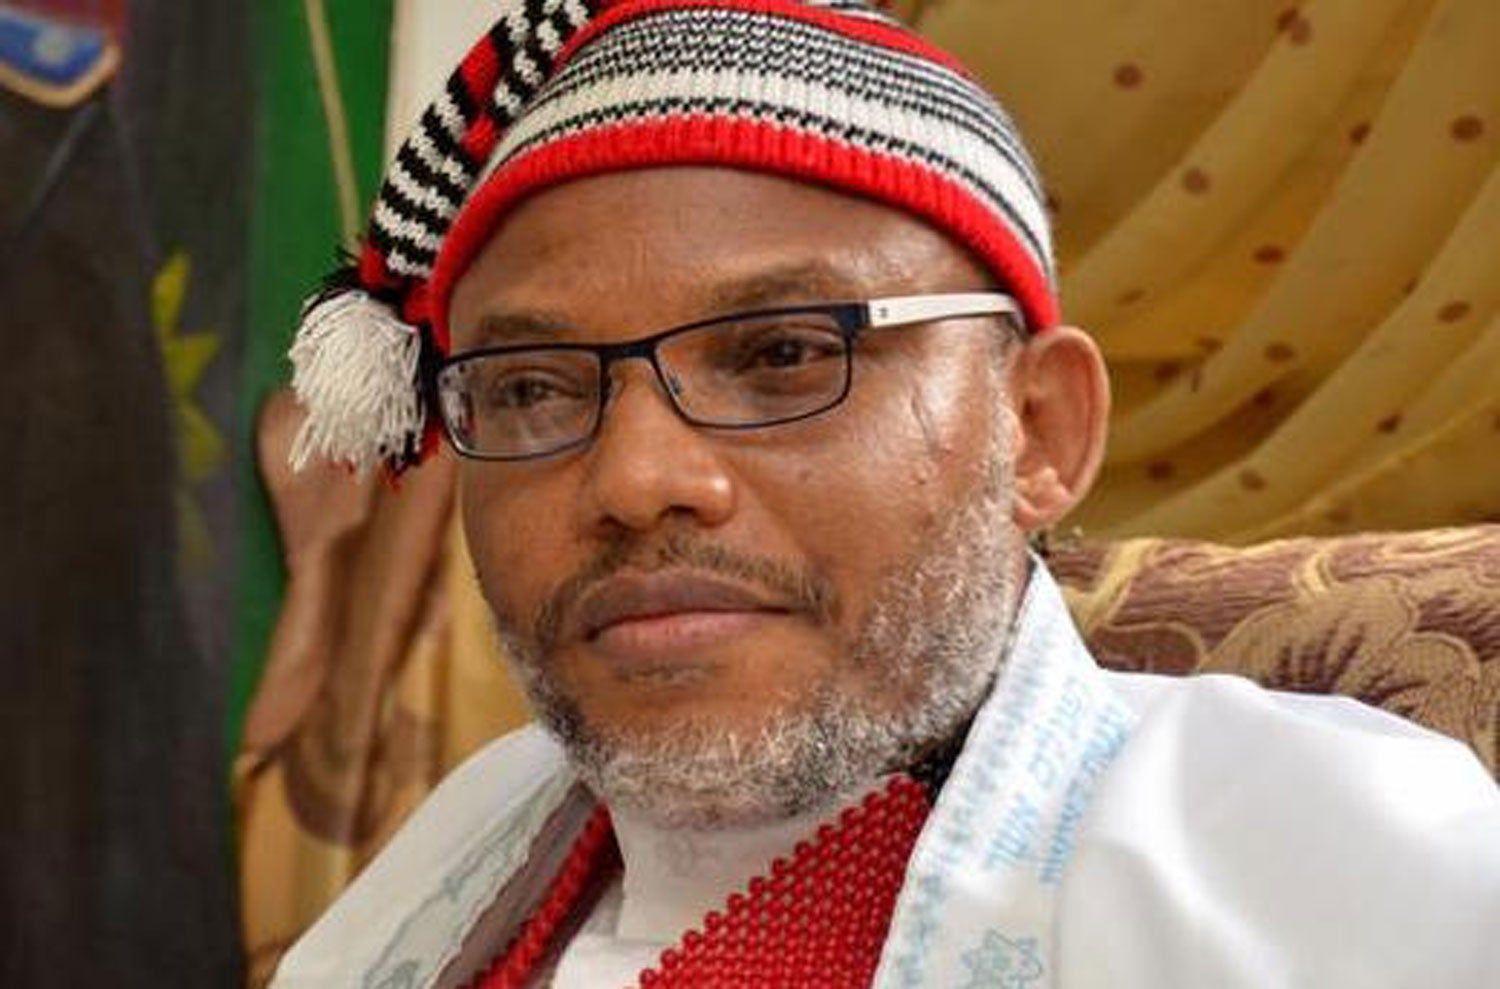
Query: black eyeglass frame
pixel 851 318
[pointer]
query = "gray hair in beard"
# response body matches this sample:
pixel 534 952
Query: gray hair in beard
pixel 937 629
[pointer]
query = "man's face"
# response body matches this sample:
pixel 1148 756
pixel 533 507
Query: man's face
pixel 730 626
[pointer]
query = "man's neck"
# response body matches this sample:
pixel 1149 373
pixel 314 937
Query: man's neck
pixel 673 877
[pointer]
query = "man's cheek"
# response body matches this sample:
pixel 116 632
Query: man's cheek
pixel 509 577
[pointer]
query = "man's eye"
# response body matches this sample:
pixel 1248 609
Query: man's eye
pixel 525 390
pixel 789 349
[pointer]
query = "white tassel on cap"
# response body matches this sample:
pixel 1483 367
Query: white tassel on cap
pixel 354 369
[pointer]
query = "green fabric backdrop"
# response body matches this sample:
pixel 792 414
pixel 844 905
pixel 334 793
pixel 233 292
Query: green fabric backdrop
pixel 295 233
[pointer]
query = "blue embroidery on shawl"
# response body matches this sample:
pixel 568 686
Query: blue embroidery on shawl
pixel 1000 962
pixel 1111 730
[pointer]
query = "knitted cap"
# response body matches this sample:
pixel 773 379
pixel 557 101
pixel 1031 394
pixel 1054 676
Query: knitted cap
pixel 825 91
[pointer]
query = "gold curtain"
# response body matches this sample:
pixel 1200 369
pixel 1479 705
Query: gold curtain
pixel 1282 222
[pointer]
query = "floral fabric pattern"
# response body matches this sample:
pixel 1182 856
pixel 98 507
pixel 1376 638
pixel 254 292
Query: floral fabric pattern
pixel 1409 622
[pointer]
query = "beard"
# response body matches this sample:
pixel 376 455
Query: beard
pixel 933 638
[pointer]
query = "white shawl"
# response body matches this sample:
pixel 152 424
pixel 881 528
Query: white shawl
pixel 1097 830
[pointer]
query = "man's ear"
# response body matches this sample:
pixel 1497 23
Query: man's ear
pixel 1060 390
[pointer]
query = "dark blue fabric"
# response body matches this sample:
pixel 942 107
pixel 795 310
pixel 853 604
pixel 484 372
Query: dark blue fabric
pixel 49 52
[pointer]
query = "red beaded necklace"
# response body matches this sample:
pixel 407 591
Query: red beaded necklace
pixel 591 852
pixel 818 917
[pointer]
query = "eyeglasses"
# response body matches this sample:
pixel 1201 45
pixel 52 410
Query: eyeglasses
pixel 745 371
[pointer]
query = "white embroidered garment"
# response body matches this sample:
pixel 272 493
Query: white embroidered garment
pixel 1097 830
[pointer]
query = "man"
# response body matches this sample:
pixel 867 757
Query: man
pixel 741 314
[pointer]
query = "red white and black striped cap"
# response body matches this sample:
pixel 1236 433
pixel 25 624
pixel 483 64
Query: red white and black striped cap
pixel 826 91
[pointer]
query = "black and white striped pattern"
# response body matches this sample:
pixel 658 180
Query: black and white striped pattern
pixel 433 171
pixel 424 186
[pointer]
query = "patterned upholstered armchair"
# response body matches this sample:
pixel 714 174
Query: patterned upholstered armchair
pixel 1409 622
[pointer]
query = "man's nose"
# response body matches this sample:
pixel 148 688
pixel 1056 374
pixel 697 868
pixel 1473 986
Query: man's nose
pixel 647 463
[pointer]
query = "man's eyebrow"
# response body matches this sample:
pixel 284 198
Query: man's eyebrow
pixel 518 326
pixel 787 284
pixel 803 281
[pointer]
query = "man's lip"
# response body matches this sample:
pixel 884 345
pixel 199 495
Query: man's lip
pixel 640 596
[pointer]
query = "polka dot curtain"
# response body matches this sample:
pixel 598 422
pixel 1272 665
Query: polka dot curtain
pixel 1282 223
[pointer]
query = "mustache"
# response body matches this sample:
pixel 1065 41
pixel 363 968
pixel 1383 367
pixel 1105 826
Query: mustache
pixel 802 588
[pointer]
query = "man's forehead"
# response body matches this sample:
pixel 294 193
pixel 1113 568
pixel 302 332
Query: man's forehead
pixel 505 319
pixel 704 210
pixel 703 242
